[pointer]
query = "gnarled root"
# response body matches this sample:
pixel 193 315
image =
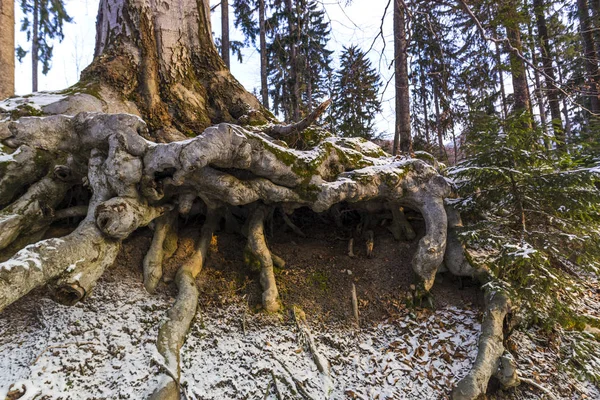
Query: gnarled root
pixel 489 361
pixel 257 254
pixel 171 334
pixel 34 210
pixel 430 253
pixel 84 249
pixel 160 250
pixel 454 257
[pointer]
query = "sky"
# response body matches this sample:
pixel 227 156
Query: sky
pixel 354 24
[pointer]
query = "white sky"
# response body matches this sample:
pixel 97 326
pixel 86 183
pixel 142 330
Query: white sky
pixel 357 24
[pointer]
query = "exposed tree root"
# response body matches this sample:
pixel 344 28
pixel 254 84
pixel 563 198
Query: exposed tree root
pixel 306 339
pixel 400 227
pixel 135 182
pixel 171 334
pixel 285 130
pixel 159 250
pixel 292 226
pixel 454 257
pixel 490 351
pixel 258 256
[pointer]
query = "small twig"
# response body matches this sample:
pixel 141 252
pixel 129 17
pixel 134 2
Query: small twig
pixel 355 306
pixel 63 345
pixel 292 226
pixel 351 248
pixel 285 130
pixel 277 392
pixel 268 391
pixel 299 385
pixel 538 386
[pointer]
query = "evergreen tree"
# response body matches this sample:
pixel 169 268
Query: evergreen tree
pixel 43 21
pixel 534 213
pixel 299 61
pixel 355 101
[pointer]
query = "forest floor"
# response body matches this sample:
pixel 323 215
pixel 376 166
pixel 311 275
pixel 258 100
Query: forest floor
pixel 104 347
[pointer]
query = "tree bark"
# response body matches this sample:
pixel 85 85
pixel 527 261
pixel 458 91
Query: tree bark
pixel 551 89
pixel 35 46
pixel 164 59
pixel 517 68
pixel 402 135
pixel 295 97
pixel 225 47
pixel 498 56
pixel 264 91
pixel 425 111
pixel 589 54
pixel 539 95
pixel 7 48
pixel 438 124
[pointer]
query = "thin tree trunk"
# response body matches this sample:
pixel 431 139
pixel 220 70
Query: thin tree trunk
pixel 424 100
pixel 517 68
pixel 264 91
pixel 589 51
pixel 295 97
pixel 438 124
pixel 402 136
pixel 596 19
pixel 7 48
pixel 501 80
pixel 551 89
pixel 34 47
pixel 567 132
pixel 225 47
pixel 539 96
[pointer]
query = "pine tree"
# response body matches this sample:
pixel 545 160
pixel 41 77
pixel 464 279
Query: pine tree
pixel 298 61
pixel 530 211
pixel 355 101
pixel 47 19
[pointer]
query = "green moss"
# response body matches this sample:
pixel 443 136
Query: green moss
pixel 25 110
pixel 307 191
pixel 287 157
pixel 91 88
pixel 251 260
pixel 320 279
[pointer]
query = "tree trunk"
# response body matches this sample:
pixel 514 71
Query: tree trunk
pixel 498 56
pixel 539 95
pixel 225 48
pixel 402 136
pixel 164 59
pixel 35 47
pixel 565 107
pixel 7 48
pixel 596 19
pixel 264 91
pixel 425 111
pixel 591 61
pixel 438 125
pixel 295 96
pixel 517 68
pixel 551 89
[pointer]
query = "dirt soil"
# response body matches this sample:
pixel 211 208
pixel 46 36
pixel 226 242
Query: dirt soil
pixel 318 274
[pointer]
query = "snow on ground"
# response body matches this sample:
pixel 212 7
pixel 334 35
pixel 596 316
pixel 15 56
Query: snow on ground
pixel 104 348
pixel 36 100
